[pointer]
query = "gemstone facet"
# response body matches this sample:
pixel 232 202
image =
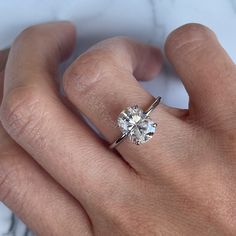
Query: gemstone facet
pixel 140 128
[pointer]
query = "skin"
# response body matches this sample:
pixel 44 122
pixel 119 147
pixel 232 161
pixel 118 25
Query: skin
pixel 61 178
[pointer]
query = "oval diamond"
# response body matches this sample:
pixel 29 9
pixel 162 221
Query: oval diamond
pixel 134 121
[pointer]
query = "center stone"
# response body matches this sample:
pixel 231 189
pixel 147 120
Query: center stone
pixel 134 121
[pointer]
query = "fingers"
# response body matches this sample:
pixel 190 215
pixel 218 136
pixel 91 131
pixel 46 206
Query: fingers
pixel 48 52
pixel 34 116
pixel 101 84
pixel 35 197
pixel 30 192
pixel 205 68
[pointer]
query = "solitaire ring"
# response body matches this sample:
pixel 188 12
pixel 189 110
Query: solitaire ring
pixel 136 124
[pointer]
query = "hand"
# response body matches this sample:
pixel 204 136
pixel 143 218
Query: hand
pixel 181 182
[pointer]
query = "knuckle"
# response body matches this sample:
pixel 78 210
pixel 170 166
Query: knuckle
pixel 187 38
pixel 88 69
pixel 20 112
pixel 27 34
pixel 99 62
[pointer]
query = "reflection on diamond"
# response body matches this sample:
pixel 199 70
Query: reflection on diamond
pixel 134 121
pixel 143 131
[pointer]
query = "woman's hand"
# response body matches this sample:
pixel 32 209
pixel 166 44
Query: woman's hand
pixel 181 182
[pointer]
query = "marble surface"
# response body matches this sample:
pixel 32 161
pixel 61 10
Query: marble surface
pixel 146 20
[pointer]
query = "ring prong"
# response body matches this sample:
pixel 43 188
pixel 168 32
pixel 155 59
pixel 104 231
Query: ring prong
pixel 154 125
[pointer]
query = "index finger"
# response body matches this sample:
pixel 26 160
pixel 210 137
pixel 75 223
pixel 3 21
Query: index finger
pixel 35 117
pixel 23 180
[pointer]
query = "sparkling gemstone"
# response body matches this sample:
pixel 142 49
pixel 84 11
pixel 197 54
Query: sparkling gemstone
pixel 134 121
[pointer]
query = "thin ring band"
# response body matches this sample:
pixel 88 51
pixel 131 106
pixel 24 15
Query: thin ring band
pixel 146 113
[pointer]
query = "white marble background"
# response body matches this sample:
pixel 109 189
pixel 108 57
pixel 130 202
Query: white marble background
pixel 146 20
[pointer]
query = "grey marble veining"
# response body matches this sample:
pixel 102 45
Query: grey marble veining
pixel 149 21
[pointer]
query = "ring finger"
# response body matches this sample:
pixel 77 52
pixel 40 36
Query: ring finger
pixel 101 83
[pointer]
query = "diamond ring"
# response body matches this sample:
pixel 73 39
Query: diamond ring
pixel 136 124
